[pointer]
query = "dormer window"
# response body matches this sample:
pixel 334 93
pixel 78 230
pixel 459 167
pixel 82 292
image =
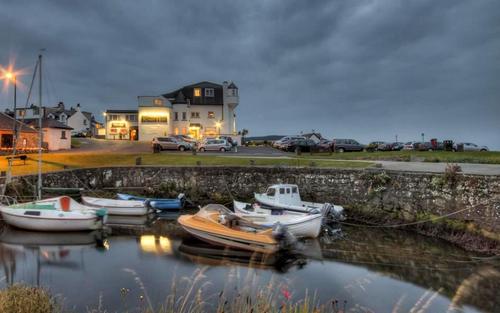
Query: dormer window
pixel 158 102
pixel 209 92
pixel 197 92
pixel 235 92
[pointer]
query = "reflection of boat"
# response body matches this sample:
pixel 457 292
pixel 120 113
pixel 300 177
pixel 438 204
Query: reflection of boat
pixel 15 236
pixel 117 207
pixel 54 214
pixel 215 224
pixel 285 197
pixel 200 252
pixel 156 203
pixel 124 220
pixel 306 225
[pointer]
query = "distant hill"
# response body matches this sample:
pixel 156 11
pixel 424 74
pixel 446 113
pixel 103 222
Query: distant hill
pixel 264 138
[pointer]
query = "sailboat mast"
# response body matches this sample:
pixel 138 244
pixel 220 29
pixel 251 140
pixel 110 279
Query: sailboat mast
pixel 40 131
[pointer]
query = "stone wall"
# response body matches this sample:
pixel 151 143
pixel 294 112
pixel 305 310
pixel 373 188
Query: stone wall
pixel 371 194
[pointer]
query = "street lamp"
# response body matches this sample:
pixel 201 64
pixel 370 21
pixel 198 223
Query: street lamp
pixel 10 76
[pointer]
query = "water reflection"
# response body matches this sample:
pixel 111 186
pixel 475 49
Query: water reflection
pixel 395 268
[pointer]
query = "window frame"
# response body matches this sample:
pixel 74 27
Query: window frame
pixel 197 92
pixel 209 92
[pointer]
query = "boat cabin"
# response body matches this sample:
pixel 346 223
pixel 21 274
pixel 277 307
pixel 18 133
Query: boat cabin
pixel 284 194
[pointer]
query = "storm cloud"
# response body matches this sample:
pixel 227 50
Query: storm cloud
pixel 358 69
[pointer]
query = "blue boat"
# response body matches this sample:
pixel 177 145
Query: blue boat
pixel 157 204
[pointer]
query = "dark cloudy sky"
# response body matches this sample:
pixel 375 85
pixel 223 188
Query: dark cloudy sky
pixel 358 69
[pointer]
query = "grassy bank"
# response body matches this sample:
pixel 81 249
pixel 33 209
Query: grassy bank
pixel 59 161
pixel 424 156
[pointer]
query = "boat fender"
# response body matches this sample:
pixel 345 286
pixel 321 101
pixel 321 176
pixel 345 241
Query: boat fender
pixel 286 239
pixel 181 196
pixel 147 203
pixel 101 212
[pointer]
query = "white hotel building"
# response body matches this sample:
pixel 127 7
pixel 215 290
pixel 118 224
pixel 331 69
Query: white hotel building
pixel 199 110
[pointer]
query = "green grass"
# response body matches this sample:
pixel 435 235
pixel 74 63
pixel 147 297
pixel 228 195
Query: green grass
pixel 60 161
pixel 425 156
pixel 75 143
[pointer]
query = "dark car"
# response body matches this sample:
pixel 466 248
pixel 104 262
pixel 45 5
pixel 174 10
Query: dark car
pixel 325 145
pixel 423 146
pixel 379 146
pixel 397 146
pixel 304 145
pixel 343 145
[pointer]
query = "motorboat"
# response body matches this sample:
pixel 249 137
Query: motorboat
pixel 118 207
pixel 54 214
pixel 217 225
pixel 301 226
pixel 285 199
pixel 161 204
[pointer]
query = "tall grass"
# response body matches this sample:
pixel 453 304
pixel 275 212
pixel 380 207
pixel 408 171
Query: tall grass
pixel 25 299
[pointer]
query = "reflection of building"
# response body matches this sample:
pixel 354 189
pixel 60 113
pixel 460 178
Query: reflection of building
pixel 121 124
pixel 200 110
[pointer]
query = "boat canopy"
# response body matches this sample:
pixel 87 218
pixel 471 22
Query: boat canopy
pixel 213 208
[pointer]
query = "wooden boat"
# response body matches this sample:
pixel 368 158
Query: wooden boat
pixel 157 203
pixel 286 197
pixel 117 207
pixel 217 225
pixel 55 214
pixel 302 226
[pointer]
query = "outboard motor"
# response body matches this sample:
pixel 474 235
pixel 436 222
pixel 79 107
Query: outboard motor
pixel 286 240
pixel 333 213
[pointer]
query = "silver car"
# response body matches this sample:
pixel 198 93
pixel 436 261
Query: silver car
pixel 471 147
pixel 215 145
pixel 170 143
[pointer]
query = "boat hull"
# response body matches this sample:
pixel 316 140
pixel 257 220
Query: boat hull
pixel 302 226
pixel 157 204
pixel 50 223
pixel 117 207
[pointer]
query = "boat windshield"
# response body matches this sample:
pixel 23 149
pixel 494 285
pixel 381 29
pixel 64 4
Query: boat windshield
pixel 213 208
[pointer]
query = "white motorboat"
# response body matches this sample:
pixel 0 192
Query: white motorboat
pixel 302 226
pixel 117 207
pixel 286 197
pixel 55 214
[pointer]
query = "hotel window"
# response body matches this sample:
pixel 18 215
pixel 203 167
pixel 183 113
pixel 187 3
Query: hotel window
pixel 197 92
pixel 131 118
pixel 209 92
pixel 158 102
pixel 176 116
pixel 195 114
pixel 184 116
pixel 211 114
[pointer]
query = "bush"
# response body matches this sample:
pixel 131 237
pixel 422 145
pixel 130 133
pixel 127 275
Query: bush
pixel 25 299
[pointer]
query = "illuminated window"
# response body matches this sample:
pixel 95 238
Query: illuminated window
pixel 209 92
pixel 211 115
pixel 184 130
pixel 158 101
pixel 197 92
pixel 195 114
pixel 176 131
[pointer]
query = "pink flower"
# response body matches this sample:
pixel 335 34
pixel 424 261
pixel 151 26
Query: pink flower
pixel 286 293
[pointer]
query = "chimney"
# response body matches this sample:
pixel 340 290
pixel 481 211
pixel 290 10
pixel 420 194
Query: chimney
pixel 60 105
pixel 78 106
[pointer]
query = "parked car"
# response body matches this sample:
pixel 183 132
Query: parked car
pixel 471 147
pixel 305 145
pixel 215 145
pixel 283 142
pixel 186 138
pixel 379 146
pixel 423 146
pixel 397 146
pixel 170 143
pixel 410 145
pixel 343 145
pixel 229 139
pixel 325 145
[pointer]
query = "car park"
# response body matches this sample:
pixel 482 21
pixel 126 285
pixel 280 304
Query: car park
pixel 344 145
pixel 325 145
pixel 379 146
pixel 397 146
pixel 170 143
pixel 283 142
pixel 215 145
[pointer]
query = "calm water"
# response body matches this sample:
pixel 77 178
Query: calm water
pixel 373 270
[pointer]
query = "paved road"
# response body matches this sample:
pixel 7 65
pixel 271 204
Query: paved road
pixel 124 146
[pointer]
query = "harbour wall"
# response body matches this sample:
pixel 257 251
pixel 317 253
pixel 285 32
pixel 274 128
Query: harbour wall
pixel 464 209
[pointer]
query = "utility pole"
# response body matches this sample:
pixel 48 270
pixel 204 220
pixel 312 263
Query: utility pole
pixel 423 140
pixel 396 137
pixel 40 131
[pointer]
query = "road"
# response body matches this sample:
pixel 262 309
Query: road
pixel 123 146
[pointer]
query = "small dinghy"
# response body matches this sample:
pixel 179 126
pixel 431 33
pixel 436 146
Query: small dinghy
pixel 301 226
pixel 157 204
pixel 217 225
pixel 285 197
pixel 55 214
pixel 118 207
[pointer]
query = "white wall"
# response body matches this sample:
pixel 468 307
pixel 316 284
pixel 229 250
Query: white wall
pixel 76 121
pixel 149 130
pixel 53 137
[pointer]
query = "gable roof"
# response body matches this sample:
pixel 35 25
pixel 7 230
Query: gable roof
pixel 186 94
pixel 7 123
pixel 47 123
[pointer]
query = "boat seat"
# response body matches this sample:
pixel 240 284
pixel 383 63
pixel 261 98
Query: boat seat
pixel 65 202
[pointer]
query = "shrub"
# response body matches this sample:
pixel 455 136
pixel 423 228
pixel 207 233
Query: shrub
pixel 25 299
